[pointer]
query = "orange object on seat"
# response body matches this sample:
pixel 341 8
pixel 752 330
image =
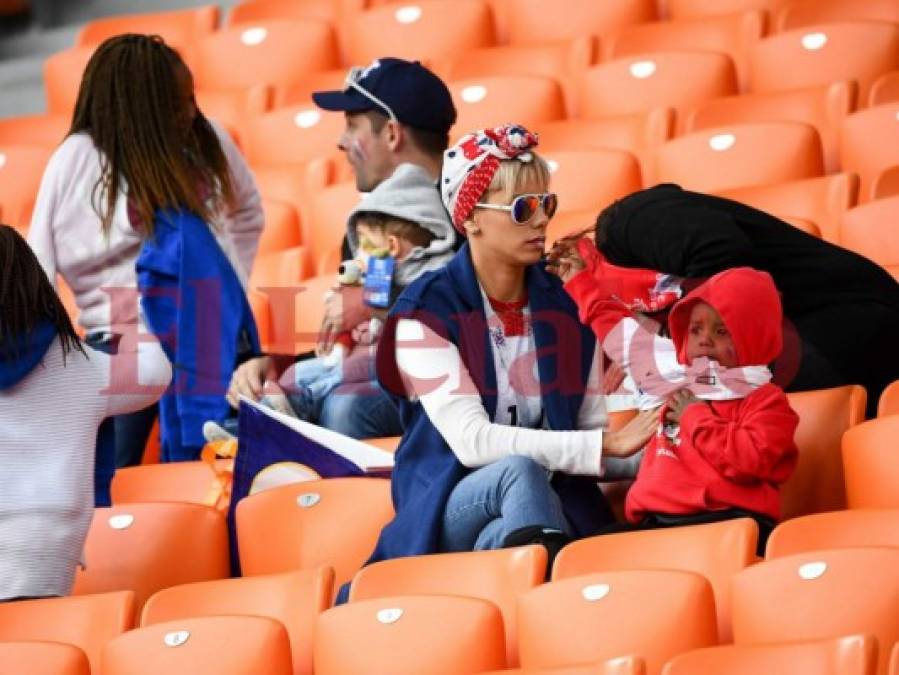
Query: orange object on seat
pixel 545 21
pixel 868 144
pixel 821 201
pixel 817 482
pixel 498 576
pixel 812 12
pixel 889 400
pixel 732 156
pixel 591 180
pixel 147 547
pixel 852 655
pixel 21 170
pixel 410 635
pixel 824 108
pixel 885 89
pixel 301 518
pixel 490 101
pixel 819 595
pixel 62 78
pixel 870 229
pixel 714 550
pixel 869 460
pixel 45 131
pixel 825 53
pixel 87 622
pixel 834 529
pixel 169 482
pixel 653 614
pixel 42 658
pixel 224 645
pixel 659 79
pixel 293 598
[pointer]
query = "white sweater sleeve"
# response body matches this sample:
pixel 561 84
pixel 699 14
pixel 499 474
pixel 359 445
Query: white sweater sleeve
pixel 592 414
pixel 40 234
pixel 135 377
pixel 433 371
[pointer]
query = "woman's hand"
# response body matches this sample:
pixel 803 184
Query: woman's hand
pixel 678 403
pixel 632 436
pixel 564 260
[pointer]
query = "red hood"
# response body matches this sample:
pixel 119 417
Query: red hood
pixel 749 305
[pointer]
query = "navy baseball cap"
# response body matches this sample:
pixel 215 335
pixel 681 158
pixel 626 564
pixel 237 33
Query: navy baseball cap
pixel 402 89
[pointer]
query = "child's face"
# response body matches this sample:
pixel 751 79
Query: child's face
pixel 708 336
pixel 375 241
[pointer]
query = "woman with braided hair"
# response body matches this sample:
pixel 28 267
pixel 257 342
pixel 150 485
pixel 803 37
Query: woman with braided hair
pixel 138 145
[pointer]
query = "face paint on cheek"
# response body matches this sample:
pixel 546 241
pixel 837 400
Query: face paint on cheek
pixel 357 152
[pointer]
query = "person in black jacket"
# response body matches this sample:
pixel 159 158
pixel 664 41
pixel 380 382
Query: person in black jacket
pixel 841 310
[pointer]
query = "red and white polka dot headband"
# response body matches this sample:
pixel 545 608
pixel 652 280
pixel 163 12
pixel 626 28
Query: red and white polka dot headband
pixel 469 166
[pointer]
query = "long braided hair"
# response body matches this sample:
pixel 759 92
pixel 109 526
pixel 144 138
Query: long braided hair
pixel 27 298
pixel 136 102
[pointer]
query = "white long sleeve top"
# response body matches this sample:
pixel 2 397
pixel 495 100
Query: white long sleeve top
pixel 48 431
pixel 68 239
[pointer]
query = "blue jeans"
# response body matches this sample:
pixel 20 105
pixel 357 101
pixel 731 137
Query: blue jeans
pixel 495 500
pixel 360 410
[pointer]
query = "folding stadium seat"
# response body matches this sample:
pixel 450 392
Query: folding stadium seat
pixel 545 21
pixel 570 222
pixel 835 529
pixel 300 93
pixel 714 550
pixel 658 79
pixel 295 313
pixel 824 108
pixel 894 660
pixel 225 645
pixel 21 170
pixel 592 179
pixel 147 547
pixel 886 184
pixel 326 224
pixel 733 34
pixel 821 201
pixel 824 415
pixel 285 269
pixel 653 614
pixel 233 107
pixel 688 9
pixel 62 78
pixel 42 658
pixel 87 622
pixel 871 230
pixel 252 11
pixel 263 316
pixel 170 482
pixel 889 400
pixel 290 135
pixel 869 460
pixel 819 595
pixel 741 154
pixel 639 134
pixel 294 183
pixel 410 635
pixel 852 655
pixel 282 227
pixel 293 598
pixel 806 226
pixel 800 13
pixel 623 665
pixel 426 30
pixel 885 89
pixel 825 53
pixel 276 53
pixel 46 131
pixel 868 144
pixel 497 576
pixel 293 526
pixel 491 101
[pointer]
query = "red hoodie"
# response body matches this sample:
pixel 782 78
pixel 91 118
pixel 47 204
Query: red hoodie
pixel 731 454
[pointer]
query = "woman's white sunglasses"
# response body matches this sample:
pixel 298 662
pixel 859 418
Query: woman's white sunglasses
pixel 524 207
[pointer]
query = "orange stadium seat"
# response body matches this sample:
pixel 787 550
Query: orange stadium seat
pixel 326 224
pixel 225 645
pixel 806 226
pixel 821 201
pixel 291 134
pixel 871 230
pixel 147 547
pixel 623 665
pixel 419 30
pixel 652 614
pixel 733 34
pixel 817 482
pixel 834 529
pixel 569 223
pixel 263 316
pixel 886 184
pixel 252 11
pixel 301 517
pixel 410 635
pixel 885 89
pixel 87 622
pixel 868 144
pixel 232 107
pixel 499 577
pixel 536 21
pixel 660 79
pixel 819 595
pixel 889 400
pixel 869 460
pixel 688 9
pixel 894 660
pixel 295 313
pixel 294 183
pixel 825 53
pixel 491 101
pixel 300 93
pixel 21 170
pixel 592 179
pixel 852 655
pixel 282 227
pixel 46 131
pixel 62 78
pixel 811 12
pixel 714 550
pixel 293 598
pixel 169 482
pixel 824 108
pixel 741 154
pixel 284 268
pixel 42 658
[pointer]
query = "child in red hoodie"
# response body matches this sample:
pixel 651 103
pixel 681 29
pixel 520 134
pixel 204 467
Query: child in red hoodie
pixel 725 444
